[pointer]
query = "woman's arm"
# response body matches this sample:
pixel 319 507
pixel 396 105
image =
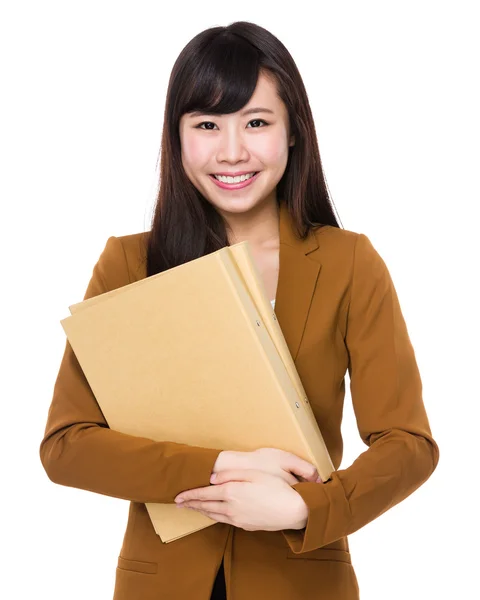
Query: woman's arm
pixel 386 394
pixel 78 448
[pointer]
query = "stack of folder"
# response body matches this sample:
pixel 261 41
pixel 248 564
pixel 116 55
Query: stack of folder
pixel 195 355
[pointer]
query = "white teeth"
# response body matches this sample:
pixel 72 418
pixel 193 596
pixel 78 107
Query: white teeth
pixel 238 179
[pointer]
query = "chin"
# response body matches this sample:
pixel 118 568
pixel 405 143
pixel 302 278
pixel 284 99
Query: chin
pixel 236 207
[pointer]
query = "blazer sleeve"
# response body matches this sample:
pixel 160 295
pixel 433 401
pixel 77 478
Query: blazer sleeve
pixel 386 392
pixel 79 450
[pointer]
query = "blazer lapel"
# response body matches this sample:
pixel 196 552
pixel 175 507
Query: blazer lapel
pixel 297 279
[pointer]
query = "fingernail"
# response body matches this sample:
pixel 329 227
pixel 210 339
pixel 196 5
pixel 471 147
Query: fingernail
pixel 213 477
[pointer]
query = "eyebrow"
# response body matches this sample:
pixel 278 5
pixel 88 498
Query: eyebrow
pixel 249 111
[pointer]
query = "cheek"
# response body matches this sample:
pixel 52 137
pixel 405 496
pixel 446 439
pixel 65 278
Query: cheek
pixel 273 150
pixel 194 151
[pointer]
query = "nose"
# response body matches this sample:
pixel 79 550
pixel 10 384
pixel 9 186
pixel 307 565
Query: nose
pixel 232 147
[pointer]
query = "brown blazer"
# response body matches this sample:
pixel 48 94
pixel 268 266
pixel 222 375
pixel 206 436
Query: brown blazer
pixel 338 310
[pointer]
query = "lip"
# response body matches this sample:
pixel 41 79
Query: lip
pixel 226 174
pixel 234 186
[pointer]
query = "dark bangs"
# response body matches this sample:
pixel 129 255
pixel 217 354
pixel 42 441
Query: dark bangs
pixel 220 79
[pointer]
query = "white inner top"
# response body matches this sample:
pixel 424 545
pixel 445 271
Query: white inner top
pixel 273 302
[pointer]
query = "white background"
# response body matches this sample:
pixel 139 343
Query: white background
pixel 394 92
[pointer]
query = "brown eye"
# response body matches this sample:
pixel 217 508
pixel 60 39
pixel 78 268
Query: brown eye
pixel 258 121
pixel 200 125
pixel 205 123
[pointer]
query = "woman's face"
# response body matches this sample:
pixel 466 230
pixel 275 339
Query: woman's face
pixel 238 143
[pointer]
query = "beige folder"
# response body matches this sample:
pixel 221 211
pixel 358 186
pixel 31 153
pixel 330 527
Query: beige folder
pixel 209 318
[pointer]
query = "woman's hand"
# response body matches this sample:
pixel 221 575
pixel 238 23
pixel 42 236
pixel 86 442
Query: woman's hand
pixel 249 499
pixel 273 461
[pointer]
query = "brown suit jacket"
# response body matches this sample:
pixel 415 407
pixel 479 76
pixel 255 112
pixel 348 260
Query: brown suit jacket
pixel 338 310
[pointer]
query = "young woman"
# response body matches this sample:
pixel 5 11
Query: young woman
pixel 240 161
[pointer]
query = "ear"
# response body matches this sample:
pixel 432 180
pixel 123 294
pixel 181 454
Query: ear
pixel 292 141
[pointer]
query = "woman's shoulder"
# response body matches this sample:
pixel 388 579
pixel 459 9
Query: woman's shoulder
pixel 134 247
pixel 344 249
pixel 134 242
pixel 335 239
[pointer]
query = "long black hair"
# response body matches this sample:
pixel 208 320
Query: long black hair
pixel 217 72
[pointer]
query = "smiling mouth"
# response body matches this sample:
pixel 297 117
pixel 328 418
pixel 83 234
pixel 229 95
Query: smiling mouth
pixel 234 185
pixel 252 174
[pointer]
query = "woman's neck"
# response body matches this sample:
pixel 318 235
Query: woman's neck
pixel 260 227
